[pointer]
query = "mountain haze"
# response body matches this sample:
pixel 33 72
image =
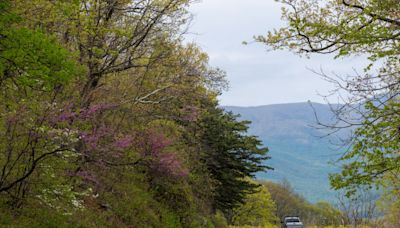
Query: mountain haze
pixel 299 154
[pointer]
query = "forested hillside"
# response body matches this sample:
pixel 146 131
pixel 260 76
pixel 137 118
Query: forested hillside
pixel 110 118
pixel 301 153
pixel 107 119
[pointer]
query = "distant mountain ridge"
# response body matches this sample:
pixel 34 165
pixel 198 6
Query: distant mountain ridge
pixel 298 153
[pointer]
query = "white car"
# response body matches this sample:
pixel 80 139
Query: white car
pixel 292 222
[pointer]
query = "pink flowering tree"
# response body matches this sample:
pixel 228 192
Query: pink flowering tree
pixel 162 162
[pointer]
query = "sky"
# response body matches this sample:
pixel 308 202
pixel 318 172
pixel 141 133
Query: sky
pixel 257 76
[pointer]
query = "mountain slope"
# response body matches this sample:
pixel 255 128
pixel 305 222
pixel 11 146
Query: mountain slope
pixel 298 152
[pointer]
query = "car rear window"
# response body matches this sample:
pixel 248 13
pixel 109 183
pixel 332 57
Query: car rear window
pixel 292 220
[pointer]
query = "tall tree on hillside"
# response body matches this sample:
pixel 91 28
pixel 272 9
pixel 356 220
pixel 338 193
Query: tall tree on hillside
pixel 231 156
pixel 354 27
pixel 110 36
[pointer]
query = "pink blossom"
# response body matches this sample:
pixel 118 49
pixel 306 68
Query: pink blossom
pixel 123 143
pixel 65 116
pixel 169 163
pixel 157 142
pixel 93 138
pixel 95 109
pixel 164 163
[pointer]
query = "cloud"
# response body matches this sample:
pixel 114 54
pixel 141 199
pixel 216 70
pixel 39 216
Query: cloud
pixel 258 77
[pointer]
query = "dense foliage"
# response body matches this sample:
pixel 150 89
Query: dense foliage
pixel 258 210
pixel 230 157
pixel 107 119
pixel 370 29
pixel 288 202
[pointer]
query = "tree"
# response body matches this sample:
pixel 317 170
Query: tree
pixel 258 210
pixel 134 136
pixel 35 70
pixel 231 157
pixel 370 99
pixel 360 209
pixel 327 215
pixel 288 202
pixel 110 37
pixel 389 202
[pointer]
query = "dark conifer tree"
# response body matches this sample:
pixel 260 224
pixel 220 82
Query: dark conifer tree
pixel 231 156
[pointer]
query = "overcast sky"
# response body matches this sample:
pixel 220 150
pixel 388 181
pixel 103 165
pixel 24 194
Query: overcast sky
pixel 258 77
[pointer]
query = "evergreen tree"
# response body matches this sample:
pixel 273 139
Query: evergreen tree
pixel 231 156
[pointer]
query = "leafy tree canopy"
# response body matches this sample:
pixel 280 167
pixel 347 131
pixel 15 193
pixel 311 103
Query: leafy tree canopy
pixel 258 210
pixel 370 99
pixel 31 58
